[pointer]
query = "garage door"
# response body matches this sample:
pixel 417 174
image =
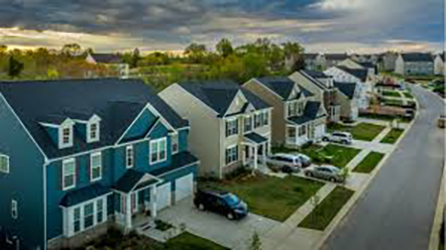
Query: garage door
pixel 319 131
pixel 163 198
pixel 184 187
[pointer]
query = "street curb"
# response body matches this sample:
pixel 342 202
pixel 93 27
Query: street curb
pixel 434 240
pixel 347 207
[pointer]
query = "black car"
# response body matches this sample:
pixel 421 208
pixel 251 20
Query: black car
pixel 224 203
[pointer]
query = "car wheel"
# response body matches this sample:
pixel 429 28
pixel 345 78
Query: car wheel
pixel 345 142
pixel 332 179
pixel 309 174
pixel 325 139
pixel 230 216
pixel 201 207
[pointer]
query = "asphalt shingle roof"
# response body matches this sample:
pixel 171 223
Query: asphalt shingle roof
pixel 179 160
pixel 219 94
pixel 417 57
pixel 116 101
pixel 310 56
pixel 346 88
pixel 106 58
pixel 83 194
pixel 316 74
pixel 307 74
pixel 358 73
pixel 283 86
pixel 336 57
pixel 310 113
pixel 254 137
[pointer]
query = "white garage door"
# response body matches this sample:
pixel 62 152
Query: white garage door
pixel 319 131
pixel 163 198
pixel 184 187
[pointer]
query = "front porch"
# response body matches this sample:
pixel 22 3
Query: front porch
pixel 256 148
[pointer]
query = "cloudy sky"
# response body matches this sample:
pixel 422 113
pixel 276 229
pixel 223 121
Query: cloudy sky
pixel 321 25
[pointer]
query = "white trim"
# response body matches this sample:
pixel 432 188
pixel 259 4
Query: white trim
pixel 61 136
pixel 98 131
pixel 158 141
pixel 185 166
pixel 131 156
pixel 8 164
pixel 231 147
pixel 152 128
pixel 49 125
pixel 24 127
pixel 91 166
pixel 71 160
pixel 14 209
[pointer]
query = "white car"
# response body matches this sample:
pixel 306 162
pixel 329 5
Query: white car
pixel 339 137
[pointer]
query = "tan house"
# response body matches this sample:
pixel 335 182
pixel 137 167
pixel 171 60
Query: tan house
pixel 297 117
pixel 321 85
pixel 230 126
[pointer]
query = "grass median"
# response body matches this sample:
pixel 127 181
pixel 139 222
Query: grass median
pixel 369 163
pixel 393 136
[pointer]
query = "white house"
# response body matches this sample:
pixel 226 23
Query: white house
pixel 440 64
pixel 113 61
pixel 414 64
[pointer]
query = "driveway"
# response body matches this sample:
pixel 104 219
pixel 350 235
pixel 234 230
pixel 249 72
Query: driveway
pixel 397 210
pixel 214 227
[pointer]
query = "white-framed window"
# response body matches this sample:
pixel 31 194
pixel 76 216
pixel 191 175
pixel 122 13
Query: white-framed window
pixel 175 145
pixel 66 136
pixel 231 127
pixel 231 154
pixel 77 220
pixel 248 123
pixel 96 166
pixel 4 164
pixel 158 150
pixel 89 215
pixel 129 156
pixel 265 119
pixel 302 130
pixel 291 132
pixel 93 132
pixel 99 211
pixel 84 216
pixel 68 174
pixel 14 209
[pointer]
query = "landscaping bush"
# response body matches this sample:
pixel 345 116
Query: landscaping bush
pixel 162 226
pixel 238 173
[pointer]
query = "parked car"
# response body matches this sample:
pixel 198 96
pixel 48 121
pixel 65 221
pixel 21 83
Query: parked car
pixel 339 137
pixel 224 203
pixel 330 173
pixel 289 162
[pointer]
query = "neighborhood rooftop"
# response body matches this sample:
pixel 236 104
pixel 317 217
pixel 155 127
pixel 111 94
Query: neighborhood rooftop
pixel 358 73
pixel 346 88
pixel 282 86
pixel 106 58
pixel 417 57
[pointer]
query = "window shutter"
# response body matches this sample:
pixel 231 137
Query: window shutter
pixel 78 171
pixel 60 169
pixel 89 168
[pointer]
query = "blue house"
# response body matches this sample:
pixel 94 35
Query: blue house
pixel 77 156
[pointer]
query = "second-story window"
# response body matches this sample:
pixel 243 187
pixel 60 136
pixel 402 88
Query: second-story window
pixel 93 132
pixel 14 209
pixel 68 174
pixel 66 136
pixel 129 156
pixel 231 127
pixel 96 166
pixel 248 123
pixel 158 150
pixel 265 119
pixel 4 164
pixel 258 120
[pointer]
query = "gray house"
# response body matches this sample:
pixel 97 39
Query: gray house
pixel 414 64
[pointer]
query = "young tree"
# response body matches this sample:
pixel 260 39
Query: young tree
pixel 72 49
pixel 294 51
pixel 196 52
pixel 224 47
pixel 15 67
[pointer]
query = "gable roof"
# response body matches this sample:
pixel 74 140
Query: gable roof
pixel 310 113
pixel 336 57
pixel 442 56
pixel 317 74
pixel 219 95
pixel 310 56
pixel 416 57
pixel 116 101
pixel 358 73
pixel 346 88
pixel 106 58
pixel 282 86
pixel 316 82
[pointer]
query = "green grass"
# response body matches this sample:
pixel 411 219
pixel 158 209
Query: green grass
pixel 392 136
pixel 369 163
pixel 393 102
pixel 385 117
pixel 390 93
pixel 272 197
pixel 363 131
pixel 187 241
pixel 408 95
pixel 326 210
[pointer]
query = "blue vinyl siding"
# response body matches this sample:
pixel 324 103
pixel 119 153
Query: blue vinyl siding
pixel 81 129
pixel 182 140
pixel 53 133
pixel 24 183
pixel 141 126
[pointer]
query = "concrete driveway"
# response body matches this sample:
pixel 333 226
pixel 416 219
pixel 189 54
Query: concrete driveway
pixel 231 234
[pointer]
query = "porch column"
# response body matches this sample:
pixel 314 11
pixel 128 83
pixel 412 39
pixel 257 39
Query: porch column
pixel 153 211
pixel 256 156
pixel 128 211
pixel 264 152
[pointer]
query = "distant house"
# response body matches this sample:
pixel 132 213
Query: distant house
pixel 353 64
pixel 388 61
pixel 297 116
pixel 77 156
pixel 312 61
pixel 321 85
pixel 440 64
pixel 230 126
pixel 348 96
pixel 333 59
pixel 113 61
pixel 359 76
pixel 414 64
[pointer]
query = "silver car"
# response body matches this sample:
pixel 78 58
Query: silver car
pixel 330 173
pixel 290 162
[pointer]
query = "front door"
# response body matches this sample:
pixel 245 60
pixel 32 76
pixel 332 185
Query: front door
pixel 247 155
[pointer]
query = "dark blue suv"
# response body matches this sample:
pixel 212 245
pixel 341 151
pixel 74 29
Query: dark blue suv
pixel 224 203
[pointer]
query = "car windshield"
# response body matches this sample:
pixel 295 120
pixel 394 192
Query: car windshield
pixel 231 199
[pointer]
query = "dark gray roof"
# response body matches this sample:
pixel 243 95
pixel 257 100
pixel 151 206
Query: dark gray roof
pixel 442 56
pixel 316 82
pixel 283 86
pixel 179 160
pixel 317 74
pixel 417 57
pixel 256 138
pixel 129 180
pixel 83 194
pixel 367 65
pixel 310 113
pixel 336 57
pixel 106 58
pixel 310 56
pixel 346 88
pixel 116 101
pixel 219 94
pixel 358 73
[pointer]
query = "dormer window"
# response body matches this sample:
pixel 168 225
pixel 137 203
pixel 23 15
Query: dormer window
pixel 93 132
pixel 66 136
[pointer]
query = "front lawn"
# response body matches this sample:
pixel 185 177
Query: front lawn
pixel 369 163
pixel 393 102
pixel 384 117
pixel 363 131
pixel 326 210
pixel 188 241
pixel 391 93
pixel 272 197
pixel 393 136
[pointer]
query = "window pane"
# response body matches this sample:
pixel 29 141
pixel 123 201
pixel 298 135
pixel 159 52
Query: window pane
pixel 88 215
pixel 77 220
pixel 99 207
